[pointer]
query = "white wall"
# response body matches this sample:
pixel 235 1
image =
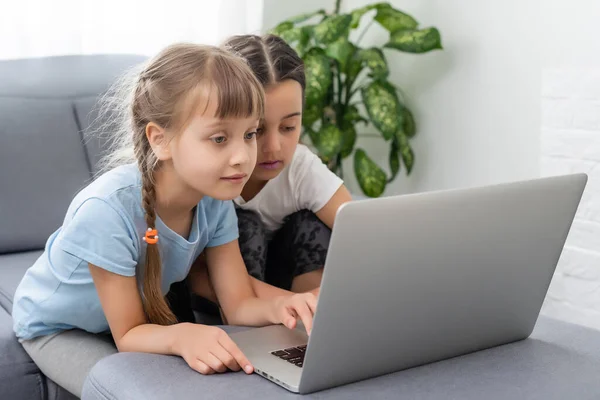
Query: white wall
pixel 570 142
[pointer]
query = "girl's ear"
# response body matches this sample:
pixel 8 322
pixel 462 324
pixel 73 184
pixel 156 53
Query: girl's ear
pixel 157 138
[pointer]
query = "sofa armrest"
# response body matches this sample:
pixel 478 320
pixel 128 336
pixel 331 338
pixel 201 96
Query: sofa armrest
pixel 558 361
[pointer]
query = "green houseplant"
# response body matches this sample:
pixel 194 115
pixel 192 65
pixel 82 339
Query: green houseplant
pixel 348 85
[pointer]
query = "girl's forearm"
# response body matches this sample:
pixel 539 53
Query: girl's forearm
pixel 265 291
pixel 200 284
pixel 150 338
pixel 254 311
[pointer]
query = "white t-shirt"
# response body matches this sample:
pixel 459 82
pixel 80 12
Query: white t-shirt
pixel 305 184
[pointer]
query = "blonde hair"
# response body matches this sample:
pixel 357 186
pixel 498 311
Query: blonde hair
pixel 166 92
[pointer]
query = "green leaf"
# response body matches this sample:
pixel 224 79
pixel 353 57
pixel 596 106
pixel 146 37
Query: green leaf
pixel 304 42
pixel 332 28
pixel 359 12
pixel 394 20
pixel 406 152
pixel 383 106
pixel 291 35
pixel 282 27
pixel 415 41
pixel 408 123
pixel 371 178
pixel 340 50
pixel 348 140
pixel 350 119
pixel 355 65
pixel 394 160
pixel 352 116
pixel 328 141
pixel 310 115
pixel 318 75
pixel 374 60
pixel 297 37
pixel 306 16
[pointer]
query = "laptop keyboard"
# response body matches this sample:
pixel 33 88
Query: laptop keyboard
pixel 293 355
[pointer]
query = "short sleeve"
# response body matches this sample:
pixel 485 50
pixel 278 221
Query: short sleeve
pixel 227 225
pixel 314 184
pixel 98 234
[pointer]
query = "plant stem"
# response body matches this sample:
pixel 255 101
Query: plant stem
pixel 353 92
pixel 340 108
pixel 338 4
pixel 349 84
pixel 364 31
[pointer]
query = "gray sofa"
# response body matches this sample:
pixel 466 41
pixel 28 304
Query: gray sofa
pixel 45 104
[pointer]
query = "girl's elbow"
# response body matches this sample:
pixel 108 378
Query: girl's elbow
pixel 126 343
pixel 231 315
pixel 122 345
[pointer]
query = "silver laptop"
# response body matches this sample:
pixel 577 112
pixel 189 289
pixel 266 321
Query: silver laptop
pixel 414 279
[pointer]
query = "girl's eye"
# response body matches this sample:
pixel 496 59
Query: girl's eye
pixel 218 139
pixel 289 128
pixel 249 135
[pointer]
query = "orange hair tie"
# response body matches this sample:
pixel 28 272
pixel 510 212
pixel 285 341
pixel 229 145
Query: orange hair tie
pixel 151 236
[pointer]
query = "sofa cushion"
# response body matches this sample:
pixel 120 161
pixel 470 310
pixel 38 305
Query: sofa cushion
pixel 42 166
pixel 95 130
pixel 12 269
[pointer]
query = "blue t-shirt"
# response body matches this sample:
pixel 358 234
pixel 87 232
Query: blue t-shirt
pixel 104 226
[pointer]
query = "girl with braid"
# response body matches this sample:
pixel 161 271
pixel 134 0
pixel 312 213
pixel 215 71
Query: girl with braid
pixel 187 147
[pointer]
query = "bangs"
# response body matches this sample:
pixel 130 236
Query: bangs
pixel 230 83
pixel 239 93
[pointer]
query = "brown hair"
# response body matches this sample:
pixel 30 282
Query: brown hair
pixel 272 60
pixel 166 92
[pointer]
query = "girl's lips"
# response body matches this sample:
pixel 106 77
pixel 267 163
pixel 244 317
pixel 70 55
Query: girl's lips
pixel 238 178
pixel 234 180
pixel 270 164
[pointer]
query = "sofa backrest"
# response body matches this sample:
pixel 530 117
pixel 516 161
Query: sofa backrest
pixel 46 104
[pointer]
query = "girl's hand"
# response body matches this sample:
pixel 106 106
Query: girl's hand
pixel 287 309
pixel 208 349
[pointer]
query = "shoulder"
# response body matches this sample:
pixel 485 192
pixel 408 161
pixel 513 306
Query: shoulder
pixel 220 219
pixel 313 183
pixel 214 210
pixel 307 165
pixel 302 161
pixel 303 154
pixel 119 188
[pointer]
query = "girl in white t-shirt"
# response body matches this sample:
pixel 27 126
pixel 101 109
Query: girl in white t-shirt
pixel 287 208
